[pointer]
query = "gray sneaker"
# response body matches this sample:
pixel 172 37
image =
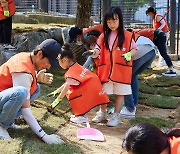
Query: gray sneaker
pixel 169 73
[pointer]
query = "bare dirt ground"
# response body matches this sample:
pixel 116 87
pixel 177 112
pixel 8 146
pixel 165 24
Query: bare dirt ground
pixel 113 135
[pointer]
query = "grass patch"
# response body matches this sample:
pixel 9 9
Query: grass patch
pixel 41 148
pixel 158 122
pixel 159 101
pixel 145 87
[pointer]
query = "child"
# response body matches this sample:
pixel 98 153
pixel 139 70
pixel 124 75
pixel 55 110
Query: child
pixel 91 63
pixel 116 47
pixel 82 87
pixel 144 138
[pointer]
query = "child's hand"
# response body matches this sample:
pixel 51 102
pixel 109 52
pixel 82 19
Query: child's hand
pixel 53 93
pixel 6 13
pixel 56 102
pixel 127 56
pixel 88 53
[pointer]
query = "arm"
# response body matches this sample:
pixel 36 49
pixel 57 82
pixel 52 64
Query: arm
pixel 64 90
pixel 162 21
pixel 4 4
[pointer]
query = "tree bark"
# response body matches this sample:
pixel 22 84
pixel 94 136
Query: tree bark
pixel 83 13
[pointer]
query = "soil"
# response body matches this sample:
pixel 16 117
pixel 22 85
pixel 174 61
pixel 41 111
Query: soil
pixel 113 135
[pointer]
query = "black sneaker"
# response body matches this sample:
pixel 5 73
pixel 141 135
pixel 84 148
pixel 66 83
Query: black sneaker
pixel 169 73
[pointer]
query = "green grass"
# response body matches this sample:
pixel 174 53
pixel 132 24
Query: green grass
pixel 158 122
pixel 158 101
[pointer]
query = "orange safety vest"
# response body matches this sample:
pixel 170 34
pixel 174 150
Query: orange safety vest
pixel 112 65
pixel 11 8
pixel 156 24
pixel 174 145
pixel 95 27
pixel 20 63
pixel 148 32
pixel 88 94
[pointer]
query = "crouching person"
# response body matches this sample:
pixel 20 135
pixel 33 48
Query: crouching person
pixel 18 87
pixel 82 87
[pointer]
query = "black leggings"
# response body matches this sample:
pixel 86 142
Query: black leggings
pixel 5 30
pixel 160 42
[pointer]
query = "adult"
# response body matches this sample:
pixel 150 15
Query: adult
pixel 7 10
pixel 141 61
pixel 147 138
pixel 159 22
pixel 18 87
pixel 158 37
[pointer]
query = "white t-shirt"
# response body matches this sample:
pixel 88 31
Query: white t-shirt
pixel 22 79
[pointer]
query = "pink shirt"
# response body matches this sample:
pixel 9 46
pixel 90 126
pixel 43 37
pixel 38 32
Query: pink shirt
pixel 112 38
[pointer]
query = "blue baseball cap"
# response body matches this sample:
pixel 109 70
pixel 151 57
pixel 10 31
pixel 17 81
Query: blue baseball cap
pixel 51 49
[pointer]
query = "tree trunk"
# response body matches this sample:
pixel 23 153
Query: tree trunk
pixel 83 13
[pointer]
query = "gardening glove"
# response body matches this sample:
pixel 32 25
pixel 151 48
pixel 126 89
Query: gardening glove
pixel 127 56
pixel 88 53
pixel 52 139
pixel 43 77
pixel 53 93
pixel 6 13
pixel 56 102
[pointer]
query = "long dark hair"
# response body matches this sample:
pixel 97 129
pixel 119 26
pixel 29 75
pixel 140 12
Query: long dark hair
pixel 110 15
pixel 66 52
pixel 146 138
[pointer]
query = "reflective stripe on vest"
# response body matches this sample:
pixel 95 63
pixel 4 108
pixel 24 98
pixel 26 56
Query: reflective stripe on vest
pixel 156 24
pixel 20 63
pixel 11 7
pixel 88 94
pixel 112 65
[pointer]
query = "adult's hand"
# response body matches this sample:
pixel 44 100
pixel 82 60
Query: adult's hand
pixel 43 77
pixel 52 139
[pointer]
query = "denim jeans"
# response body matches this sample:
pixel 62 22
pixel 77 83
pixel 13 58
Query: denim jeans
pixel 160 42
pixel 11 101
pixel 139 66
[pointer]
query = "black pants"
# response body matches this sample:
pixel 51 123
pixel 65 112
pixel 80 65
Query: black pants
pixel 5 30
pixel 160 42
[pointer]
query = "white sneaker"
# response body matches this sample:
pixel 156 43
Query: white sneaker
pixel 114 120
pixel 125 113
pixel 78 119
pixel 100 116
pixel 14 126
pixel 4 133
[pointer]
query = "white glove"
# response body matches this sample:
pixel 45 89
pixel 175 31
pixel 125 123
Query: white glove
pixel 43 77
pixel 52 139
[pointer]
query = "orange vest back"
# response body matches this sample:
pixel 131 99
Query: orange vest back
pixel 174 145
pixel 148 32
pixel 20 63
pixel 88 94
pixel 112 65
pixel 11 7
pixel 156 24
pixel 95 27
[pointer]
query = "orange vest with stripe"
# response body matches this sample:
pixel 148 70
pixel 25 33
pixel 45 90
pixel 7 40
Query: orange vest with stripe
pixel 88 94
pixel 95 27
pixel 174 145
pixel 112 65
pixel 20 63
pixel 11 7
pixel 149 33
pixel 157 24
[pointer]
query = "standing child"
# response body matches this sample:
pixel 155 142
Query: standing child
pixel 116 47
pixel 82 87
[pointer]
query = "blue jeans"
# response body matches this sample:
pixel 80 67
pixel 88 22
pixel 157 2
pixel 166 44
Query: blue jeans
pixel 139 66
pixel 11 101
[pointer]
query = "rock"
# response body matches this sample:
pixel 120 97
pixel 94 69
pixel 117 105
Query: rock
pixel 65 34
pixel 26 42
pixel 5 55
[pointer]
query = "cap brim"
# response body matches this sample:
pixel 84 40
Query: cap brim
pixel 54 63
